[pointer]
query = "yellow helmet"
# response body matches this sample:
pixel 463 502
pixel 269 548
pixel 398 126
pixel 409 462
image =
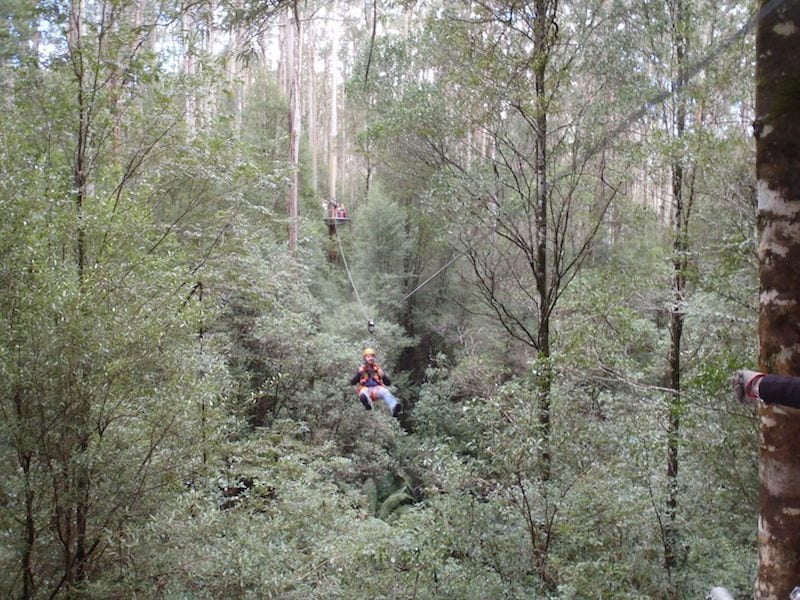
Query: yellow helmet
pixel 367 352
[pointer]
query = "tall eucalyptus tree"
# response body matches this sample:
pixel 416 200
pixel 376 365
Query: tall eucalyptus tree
pixel 537 183
pixel 333 113
pixel 777 131
pixel 682 193
pixel 684 35
pixel 293 35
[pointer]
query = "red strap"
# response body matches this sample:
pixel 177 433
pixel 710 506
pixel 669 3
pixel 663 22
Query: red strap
pixel 748 388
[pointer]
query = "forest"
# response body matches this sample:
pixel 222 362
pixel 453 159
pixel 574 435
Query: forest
pixel 551 242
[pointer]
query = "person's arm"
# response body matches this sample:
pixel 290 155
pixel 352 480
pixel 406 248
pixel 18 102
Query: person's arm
pixel 753 386
pixel 385 377
pixel 780 389
pixel 355 378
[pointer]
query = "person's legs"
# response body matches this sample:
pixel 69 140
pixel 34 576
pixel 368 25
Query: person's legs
pixel 391 402
pixel 365 397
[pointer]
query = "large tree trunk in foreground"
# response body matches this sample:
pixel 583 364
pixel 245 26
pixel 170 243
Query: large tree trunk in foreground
pixel 777 130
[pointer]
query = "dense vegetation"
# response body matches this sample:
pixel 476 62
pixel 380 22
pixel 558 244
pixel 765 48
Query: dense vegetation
pixel 552 227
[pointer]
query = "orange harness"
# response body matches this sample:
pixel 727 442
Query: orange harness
pixel 370 372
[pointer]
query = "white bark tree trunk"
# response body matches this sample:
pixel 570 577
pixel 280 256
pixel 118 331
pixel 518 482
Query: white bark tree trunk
pixel 312 112
pixel 777 131
pixel 293 44
pixel 333 133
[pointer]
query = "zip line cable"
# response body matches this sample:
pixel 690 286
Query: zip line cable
pixel 455 257
pixel 350 276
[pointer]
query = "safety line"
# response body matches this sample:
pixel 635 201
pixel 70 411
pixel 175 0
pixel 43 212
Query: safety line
pixel 349 275
pixel 456 256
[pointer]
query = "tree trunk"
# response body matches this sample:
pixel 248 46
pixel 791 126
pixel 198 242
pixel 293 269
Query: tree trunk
pixel 189 70
pixel 680 244
pixel 238 78
pixel 75 568
pixel 24 458
pixel 312 112
pixel 333 133
pixel 79 160
pixel 777 130
pixel 541 46
pixel 293 35
pixel 675 405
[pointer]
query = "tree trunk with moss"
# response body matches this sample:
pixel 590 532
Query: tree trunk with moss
pixel 777 131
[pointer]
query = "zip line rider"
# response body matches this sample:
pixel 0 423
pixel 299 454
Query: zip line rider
pixel 370 379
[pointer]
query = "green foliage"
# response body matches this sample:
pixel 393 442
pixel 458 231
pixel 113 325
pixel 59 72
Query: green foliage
pixel 102 379
pixel 170 372
pixel 381 251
